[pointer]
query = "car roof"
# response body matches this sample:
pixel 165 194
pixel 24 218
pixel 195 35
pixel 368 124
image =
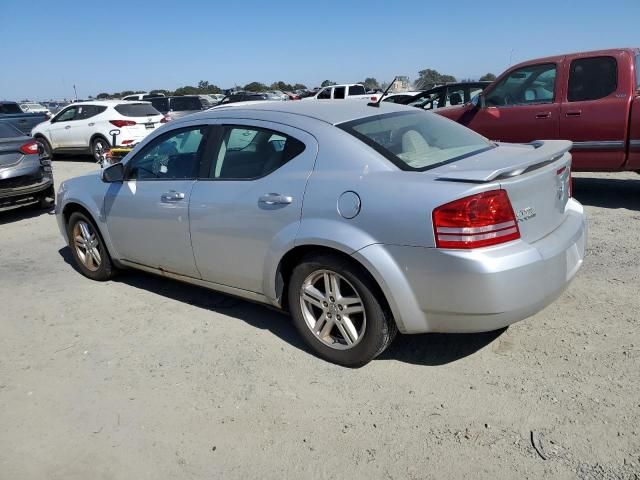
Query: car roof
pixel 107 103
pixel 593 53
pixel 329 111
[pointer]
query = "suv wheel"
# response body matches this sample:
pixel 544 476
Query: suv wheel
pixel 334 307
pixel 88 248
pixel 98 146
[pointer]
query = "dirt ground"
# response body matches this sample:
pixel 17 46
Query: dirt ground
pixel 146 378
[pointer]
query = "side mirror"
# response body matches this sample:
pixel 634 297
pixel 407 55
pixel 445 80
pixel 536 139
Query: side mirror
pixel 113 173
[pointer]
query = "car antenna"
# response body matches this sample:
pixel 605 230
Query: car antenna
pixel 377 102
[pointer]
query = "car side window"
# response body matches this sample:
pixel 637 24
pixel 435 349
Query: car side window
pixel 455 96
pixel 67 115
pixel 247 153
pixel 325 94
pixel 338 93
pixel 592 78
pixel 88 111
pixel 174 155
pixel 532 84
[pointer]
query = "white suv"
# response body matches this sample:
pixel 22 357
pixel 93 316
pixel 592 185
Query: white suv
pixel 88 127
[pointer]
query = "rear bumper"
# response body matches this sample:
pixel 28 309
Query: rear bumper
pixel 25 179
pixel 435 290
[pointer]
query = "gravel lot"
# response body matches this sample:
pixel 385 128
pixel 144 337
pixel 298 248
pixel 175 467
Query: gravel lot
pixel 147 378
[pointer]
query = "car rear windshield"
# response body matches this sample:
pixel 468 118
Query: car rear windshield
pixel 9 131
pixel 10 108
pixel 136 109
pixel 179 104
pixel 417 141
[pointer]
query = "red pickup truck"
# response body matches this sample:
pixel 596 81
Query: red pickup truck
pixel 590 98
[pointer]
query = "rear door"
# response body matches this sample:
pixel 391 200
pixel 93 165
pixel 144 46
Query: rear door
pixel 251 193
pixel 84 125
pixel 595 110
pixel 148 214
pixel 523 106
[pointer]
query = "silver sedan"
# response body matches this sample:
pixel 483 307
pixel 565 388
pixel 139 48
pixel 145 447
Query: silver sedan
pixel 358 220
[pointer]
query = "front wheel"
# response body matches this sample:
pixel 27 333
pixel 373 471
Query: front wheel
pixel 336 308
pixel 98 148
pixel 88 248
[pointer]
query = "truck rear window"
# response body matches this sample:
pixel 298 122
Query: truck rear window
pixel 136 109
pixel 417 141
pixel 10 108
pixel 357 90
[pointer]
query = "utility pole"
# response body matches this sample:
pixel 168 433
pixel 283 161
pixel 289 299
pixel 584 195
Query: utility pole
pixel 75 92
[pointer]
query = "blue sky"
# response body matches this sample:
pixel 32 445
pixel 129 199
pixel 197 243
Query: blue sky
pixel 110 46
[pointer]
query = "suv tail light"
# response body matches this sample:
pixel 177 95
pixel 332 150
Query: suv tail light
pixel 30 148
pixel 122 123
pixel 479 220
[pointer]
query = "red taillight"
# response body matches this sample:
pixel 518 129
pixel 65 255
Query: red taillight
pixel 476 221
pixel 165 119
pixel 374 99
pixel 127 142
pixel 122 123
pixel 30 148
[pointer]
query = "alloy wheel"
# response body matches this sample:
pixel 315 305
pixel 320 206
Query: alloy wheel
pixel 87 245
pixel 332 309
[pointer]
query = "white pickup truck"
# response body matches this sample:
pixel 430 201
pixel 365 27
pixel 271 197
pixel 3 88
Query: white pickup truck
pixel 352 91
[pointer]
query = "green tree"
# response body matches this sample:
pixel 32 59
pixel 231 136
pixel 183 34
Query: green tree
pixel 186 90
pixel 371 83
pixel 126 92
pixel 102 96
pixel 160 90
pixel 255 87
pixel 285 87
pixel 490 77
pixel 428 78
pixel 327 83
pixel 300 86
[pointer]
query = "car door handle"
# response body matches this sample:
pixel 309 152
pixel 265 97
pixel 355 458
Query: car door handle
pixel 67 127
pixel 573 113
pixel 543 115
pixel 91 124
pixel 275 199
pixel 172 196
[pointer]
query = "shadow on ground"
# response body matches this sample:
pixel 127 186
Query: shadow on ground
pixel 429 349
pixel 608 192
pixel 23 212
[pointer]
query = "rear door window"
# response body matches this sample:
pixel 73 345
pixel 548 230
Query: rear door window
pixel 161 104
pixel 357 90
pixel 592 78
pixel 527 85
pixel 136 110
pixel 338 92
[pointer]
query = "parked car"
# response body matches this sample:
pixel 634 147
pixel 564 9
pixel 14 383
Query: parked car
pixel 25 177
pixel 399 97
pixel 409 222
pixel 447 95
pixel 142 96
pixel 177 107
pixel 590 98
pixel 244 97
pixel 352 91
pixel 210 100
pixel 34 107
pixel 11 112
pixel 87 127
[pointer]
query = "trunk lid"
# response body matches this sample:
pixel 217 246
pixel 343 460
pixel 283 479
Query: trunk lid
pixel 536 177
pixel 10 153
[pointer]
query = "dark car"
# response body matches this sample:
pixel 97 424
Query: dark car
pixel 446 95
pixel 244 97
pixel 25 176
pixel 176 107
pixel 10 112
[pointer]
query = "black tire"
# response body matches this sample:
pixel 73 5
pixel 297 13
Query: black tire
pixel 46 147
pixel 98 145
pixel 105 270
pixel 380 328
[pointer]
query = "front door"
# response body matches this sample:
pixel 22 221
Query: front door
pixel 522 107
pixel 61 130
pixel 250 197
pixel 594 114
pixel 148 214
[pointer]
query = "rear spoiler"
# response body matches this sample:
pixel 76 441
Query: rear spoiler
pixel 543 153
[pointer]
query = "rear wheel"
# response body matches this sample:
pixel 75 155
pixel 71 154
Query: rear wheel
pixel 336 308
pixel 88 248
pixel 47 151
pixel 99 145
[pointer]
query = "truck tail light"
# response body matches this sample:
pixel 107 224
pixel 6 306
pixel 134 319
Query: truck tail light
pixel 30 148
pixel 479 220
pixel 122 123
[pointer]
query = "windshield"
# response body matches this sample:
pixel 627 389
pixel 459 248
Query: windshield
pixel 137 110
pixel 417 141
